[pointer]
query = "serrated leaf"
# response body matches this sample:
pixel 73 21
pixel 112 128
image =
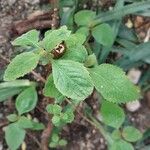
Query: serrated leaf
pixel 14 136
pixel 103 34
pixel 72 79
pixel 84 17
pixel 21 65
pixel 30 38
pixel 113 84
pixel 50 90
pixel 121 145
pixel 77 53
pixel 26 101
pixel 112 114
pixel 54 109
pixel 55 37
pixel 75 40
pixel 131 134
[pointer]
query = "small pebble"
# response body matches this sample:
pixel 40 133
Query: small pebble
pixel 133 106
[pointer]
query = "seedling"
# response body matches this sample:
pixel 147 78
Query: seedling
pixel 75 74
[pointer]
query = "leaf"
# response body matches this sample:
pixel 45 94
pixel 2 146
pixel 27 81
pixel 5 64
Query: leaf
pixel 14 136
pixel 54 109
pixel 8 92
pixel 121 145
pixel 116 135
pixel 90 60
pixel 83 30
pixel 113 84
pixel 50 90
pixel 84 17
pixel 131 134
pixel 77 53
pixel 37 126
pixel 24 123
pixel 55 37
pixel 75 40
pixel 12 117
pixel 112 114
pixel 26 101
pixel 21 65
pixel 30 38
pixel 72 79
pixel 103 34
pixel 16 83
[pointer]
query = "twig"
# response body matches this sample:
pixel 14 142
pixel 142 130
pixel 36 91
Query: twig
pixel 45 136
pixel 33 72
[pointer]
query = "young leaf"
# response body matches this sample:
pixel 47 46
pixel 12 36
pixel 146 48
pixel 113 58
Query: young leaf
pixel 121 145
pixel 77 53
pixel 55 37
pixel 30 38
pixel 12 117
pixel 24 123
pixel 14 136
pixel 54 109
pixel 75 40
pixel 21 65
pixel 112 114
pixel 37 126
pixel 103 34
pixel 50 90
pixel 72 79
pixel 83 30
pixel 84 17
pixel 113 84
pixel 131 134
pixel 26 101
pixel 8 92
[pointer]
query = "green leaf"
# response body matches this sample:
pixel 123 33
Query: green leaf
pixel 103 34
pixel 37 126
pixel 56 120
pixel 77 53
pixel 8 92
pixel 84 17
pixel 112 114
pixel 121 145
pixel 75 40
pixel 83 30
pixel 113 84
pixel 90 60
pixel 21 65
pixel 72 79
pixel 54 109
pixel 14 136
pixel 50 90
pixel 55 37
pixel 26 101
pixel 116 135
pixel 62 142
pixel 55 138
pixel 12 117
pixel 131 134
pixel 30 38
pixel 25 123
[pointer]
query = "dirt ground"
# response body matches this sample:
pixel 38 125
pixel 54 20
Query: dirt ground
pixel 80 135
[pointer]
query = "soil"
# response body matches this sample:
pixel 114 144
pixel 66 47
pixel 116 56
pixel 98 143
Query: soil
pixel 80 134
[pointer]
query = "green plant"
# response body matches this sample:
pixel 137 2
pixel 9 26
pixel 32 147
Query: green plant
pixel 75 74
